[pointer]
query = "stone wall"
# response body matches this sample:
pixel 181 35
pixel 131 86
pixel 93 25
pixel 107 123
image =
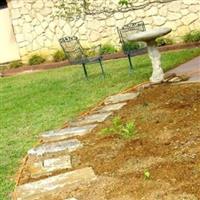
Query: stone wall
pixel 37 31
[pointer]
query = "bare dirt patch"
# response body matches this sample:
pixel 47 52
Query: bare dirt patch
pixel 167 118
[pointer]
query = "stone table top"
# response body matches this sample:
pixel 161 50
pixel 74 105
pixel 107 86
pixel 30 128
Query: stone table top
pixel 149 34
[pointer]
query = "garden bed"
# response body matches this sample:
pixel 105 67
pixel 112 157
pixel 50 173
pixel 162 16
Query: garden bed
pixel 166 147
pixel 46 66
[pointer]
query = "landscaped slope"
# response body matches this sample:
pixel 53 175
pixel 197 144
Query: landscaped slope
pixel 33 103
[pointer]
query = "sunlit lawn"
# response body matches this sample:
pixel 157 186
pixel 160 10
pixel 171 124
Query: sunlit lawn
pixel 33 103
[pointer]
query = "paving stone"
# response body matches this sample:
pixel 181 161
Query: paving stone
pixel 56 147
pixel 53 185
pixel 48 166
pixel 94 118
pixel 67 133
pixel 112 107
pixel 121 97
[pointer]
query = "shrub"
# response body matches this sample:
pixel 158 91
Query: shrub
pixel 123 2
pixel 59 56
pixel 107 48
pixel 15 64
pixel 164 41
pixel 3 67
pixel 91 53
pixel 193 36
pixel 130 46
pixel 36 59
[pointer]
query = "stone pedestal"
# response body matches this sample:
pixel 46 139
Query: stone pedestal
pixel 154 54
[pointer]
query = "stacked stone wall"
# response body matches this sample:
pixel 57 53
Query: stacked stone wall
pixel 37 31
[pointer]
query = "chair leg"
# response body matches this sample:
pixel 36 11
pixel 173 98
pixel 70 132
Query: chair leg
pixel 130 63
pixel 102 70
pixel 85 71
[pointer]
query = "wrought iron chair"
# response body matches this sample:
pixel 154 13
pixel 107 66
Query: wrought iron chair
pixel 129 48
pixel 76 54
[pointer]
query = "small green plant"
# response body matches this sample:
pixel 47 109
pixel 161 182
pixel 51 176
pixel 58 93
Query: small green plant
pixel 36 60
pixel 15 64
pixel 193 36
pixel 130 46
pixel 125 130
pixel 115 128
pixel 91 52
pixel 3 67
pixel 128 130
pixel 107 49
pixel 117 123
pixel 59 56
pixel 164 41
pixel 123 2
pixel 147 174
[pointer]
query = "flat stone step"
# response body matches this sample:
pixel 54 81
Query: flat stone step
pixel 67 133
pixel 112 107
pixel 93 118
pixel 56 147
pixel 47 167
pixel 121 97
pixel 53 185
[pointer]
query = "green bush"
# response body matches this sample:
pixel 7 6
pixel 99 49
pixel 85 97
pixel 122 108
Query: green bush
pixel 107 48
pixel 15 64
pixel 36 60
pixel 91 52
pixel 164 41
pixel 59 56
pixel 130 46
pixel 123 2
pixel 3 68
pixel 193 36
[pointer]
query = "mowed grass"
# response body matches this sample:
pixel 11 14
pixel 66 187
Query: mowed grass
pixel 37 102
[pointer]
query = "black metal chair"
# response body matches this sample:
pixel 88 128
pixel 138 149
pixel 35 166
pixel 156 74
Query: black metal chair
pixel 76 54
pixel 130 48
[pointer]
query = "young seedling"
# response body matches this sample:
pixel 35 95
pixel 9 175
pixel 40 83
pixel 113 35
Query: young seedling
pixel 147 174
pixel 115 128
pixel 128 130
pixel 117 123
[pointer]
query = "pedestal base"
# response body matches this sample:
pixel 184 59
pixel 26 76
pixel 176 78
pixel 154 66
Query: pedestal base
pixel 157 75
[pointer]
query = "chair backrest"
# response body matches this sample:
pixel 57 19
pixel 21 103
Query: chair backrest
pixel 130 28
pixel 72 49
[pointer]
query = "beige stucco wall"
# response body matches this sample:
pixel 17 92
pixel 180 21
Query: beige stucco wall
pixel 8 47
pixel 37 31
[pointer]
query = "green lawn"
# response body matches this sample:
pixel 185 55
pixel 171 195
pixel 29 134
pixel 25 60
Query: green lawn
pixel 33 103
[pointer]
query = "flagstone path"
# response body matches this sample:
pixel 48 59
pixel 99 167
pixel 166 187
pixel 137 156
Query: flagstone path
pixel 53 155
pixel 50 163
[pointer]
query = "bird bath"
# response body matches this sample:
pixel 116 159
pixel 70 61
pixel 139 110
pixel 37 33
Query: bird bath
pixel 150 38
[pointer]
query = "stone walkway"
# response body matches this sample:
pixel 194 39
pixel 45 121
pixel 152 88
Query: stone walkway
pixel 50 163
pixel 191 69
